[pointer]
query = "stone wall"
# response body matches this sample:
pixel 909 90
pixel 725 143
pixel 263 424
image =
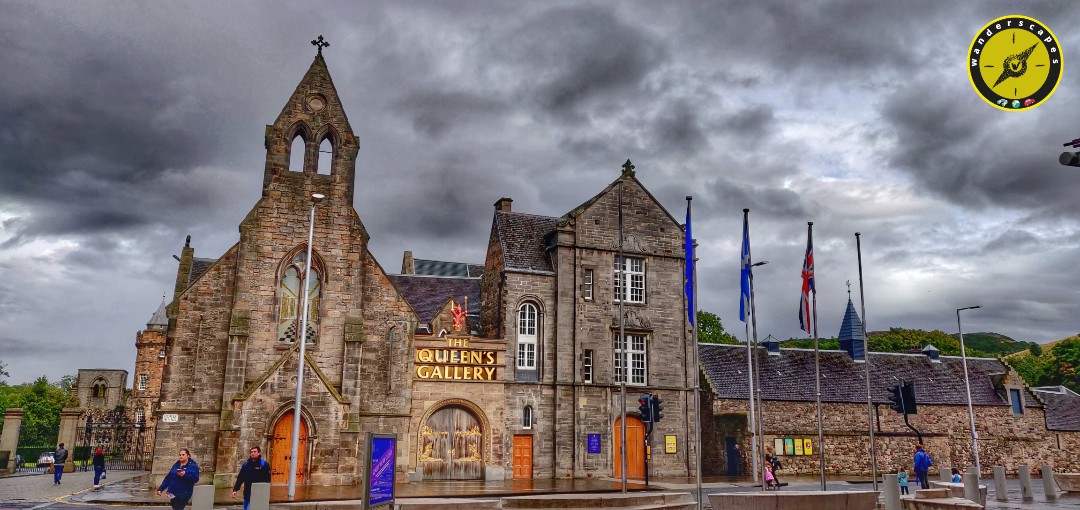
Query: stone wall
pixel 1004 438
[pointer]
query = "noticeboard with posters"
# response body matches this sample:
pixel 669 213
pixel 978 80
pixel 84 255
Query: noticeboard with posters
pixel 798 446
pixel 789 446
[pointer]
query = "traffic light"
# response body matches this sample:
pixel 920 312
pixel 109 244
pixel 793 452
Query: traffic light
pixel 897 398
pixel 908 392
pixel 645 407
pixel 1069 158
pixel 657 409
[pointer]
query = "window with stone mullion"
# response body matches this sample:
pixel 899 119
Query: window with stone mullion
pixel 631 353
pixel 632 287
pixel 527 327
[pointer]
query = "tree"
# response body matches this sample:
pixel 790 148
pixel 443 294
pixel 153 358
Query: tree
pixel 1035 349
pixel 41 402
pixel 3 370
pixel 711 331
pixel 1067 362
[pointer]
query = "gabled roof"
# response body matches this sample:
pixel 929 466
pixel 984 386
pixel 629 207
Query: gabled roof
pixel 790 376
pixel 199 266
pixel 1062 408
pixel 521 237
pixel 442 268
pixel 428 294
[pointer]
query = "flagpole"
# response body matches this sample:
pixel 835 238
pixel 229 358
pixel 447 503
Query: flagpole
pixel 697 366
pixel 747 266
pixel 866 354
pixel 817 368
pixel 622 336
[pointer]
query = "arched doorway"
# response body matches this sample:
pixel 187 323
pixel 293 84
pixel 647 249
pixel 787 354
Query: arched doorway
pixel 451 445
pixel 635 448
pixel 281 448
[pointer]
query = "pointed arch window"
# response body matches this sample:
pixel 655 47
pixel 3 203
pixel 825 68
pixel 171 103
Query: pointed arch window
pixel 292 300
pixel 326 156
pixel 296 153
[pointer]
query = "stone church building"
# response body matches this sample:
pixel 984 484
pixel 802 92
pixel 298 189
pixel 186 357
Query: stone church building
pixel 509 369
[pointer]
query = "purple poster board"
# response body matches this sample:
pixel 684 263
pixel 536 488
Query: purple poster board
pixel 381 462
pixel 594 443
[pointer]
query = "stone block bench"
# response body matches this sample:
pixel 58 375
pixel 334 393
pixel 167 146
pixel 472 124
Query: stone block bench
pixel 956 490
pixel 795 500
pixel 1068 482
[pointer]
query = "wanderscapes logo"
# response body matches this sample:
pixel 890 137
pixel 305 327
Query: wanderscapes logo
pixel 1015 63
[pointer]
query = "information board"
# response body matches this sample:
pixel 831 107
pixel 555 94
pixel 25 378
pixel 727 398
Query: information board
pixel 380 468
pixel 594 443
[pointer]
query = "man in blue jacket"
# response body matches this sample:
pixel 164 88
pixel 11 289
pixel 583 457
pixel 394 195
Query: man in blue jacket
pixel 922 463
pixel 255 470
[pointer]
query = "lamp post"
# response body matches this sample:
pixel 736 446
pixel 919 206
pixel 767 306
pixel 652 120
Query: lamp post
pixel 967 385
pixel 295 452
pixel 756 438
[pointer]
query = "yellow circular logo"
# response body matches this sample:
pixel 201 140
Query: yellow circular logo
pixel 1015 63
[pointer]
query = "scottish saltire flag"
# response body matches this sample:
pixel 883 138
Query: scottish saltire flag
pixel 807 284
pixel 688 281
pixel 744 303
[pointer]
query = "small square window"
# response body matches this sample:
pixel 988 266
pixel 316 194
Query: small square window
pixel 161 354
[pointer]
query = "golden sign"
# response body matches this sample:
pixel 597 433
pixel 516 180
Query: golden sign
pixel 456 362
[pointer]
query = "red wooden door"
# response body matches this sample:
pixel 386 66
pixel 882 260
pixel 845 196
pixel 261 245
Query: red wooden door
pixel 523 449
pixel 281 447
pixel 635 448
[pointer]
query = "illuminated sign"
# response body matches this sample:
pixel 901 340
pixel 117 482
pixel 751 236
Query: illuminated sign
pixel 456 362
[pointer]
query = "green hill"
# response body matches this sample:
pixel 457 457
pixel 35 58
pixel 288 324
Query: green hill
pixel 993 343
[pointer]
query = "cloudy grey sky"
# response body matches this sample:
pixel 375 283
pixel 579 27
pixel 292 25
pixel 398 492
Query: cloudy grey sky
pixel 124 128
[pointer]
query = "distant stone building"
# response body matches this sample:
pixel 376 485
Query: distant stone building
pixel 1015 425
pixel 508 369
pixel 100 388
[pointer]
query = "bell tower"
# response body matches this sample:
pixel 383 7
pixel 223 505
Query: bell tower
pixel 314 114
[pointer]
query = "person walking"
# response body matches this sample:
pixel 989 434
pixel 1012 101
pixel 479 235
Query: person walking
pixel 59 457
pixel 774 463
pixel 181 480
pixel 901 478
pixel 99 467
pixel 921 464
pixel 254 470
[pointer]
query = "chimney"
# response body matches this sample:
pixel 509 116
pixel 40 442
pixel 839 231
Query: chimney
pixel 503 204
pixel 932 352
pixel 772 345
pixel 407 265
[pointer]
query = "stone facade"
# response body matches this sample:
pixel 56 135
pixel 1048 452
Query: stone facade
pixel 100 388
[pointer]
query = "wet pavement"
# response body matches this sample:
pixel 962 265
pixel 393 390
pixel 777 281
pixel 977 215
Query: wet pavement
pixel 131 490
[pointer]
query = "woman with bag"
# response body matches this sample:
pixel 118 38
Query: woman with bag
pixel 99 467
pixel 181 480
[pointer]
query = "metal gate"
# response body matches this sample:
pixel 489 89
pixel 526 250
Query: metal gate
pixel 32 458
pixel 127 444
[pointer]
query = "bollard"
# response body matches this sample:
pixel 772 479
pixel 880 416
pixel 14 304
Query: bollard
pixel 1025 482
pixel 971 486
pixel 1000 492
pixel 945 474
pixel 203 498
pixel 1049 485
pixel 260 496
pixel 891 492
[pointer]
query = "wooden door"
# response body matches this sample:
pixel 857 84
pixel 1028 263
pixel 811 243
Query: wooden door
pixel 281 447
pixel 635 448
pixel 523 449
pixel 452 443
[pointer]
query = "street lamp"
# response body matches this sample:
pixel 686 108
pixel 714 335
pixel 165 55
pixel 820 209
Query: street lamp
pixel 295 452
pixel 967 385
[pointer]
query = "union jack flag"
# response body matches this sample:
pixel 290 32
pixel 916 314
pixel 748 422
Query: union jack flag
pixel 807 283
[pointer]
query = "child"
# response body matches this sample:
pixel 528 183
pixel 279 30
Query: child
pixel 901 476
pixel 956 476
pixel 770 479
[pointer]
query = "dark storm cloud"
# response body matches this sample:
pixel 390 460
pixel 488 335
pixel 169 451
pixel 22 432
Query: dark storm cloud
pixel 565 58
pixel 433 112
pixel 678 128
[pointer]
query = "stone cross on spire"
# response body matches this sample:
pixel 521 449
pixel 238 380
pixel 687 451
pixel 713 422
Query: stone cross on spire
pixel 848 282
pixel 320 43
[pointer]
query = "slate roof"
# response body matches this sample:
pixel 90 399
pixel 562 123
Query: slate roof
pixel 160 318
pixel 851 335
pixel 428 294
pixel 522 240
pixel 790 376
pixel 1062 408
pixel 442 268
pixel 198 268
